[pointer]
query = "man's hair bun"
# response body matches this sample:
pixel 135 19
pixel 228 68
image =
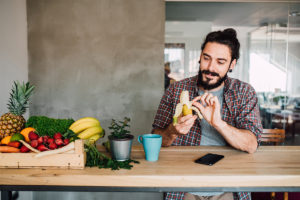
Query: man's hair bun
pixel 230 32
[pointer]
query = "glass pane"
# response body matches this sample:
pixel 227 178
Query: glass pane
pixel 292 108
pixel 174 62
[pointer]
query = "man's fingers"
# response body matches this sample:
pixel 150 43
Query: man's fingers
pixel 215 102
pixel 196 99
pixel 208 98
pixel 203 97
pixel 184 119
pixel 191 120
pixel 185 123
pixel 198 105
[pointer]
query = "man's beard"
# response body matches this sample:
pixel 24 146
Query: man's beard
pixel 205 84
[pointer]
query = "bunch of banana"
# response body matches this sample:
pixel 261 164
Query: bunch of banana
pixel 185 107
pixel 88 128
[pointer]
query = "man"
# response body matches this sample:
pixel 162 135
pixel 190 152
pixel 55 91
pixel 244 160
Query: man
pixel 229 108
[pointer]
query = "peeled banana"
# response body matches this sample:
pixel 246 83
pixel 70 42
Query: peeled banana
pixel 87 133
pixel 185 107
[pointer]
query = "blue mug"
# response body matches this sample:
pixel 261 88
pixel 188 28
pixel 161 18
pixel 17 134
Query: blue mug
pixel 151 144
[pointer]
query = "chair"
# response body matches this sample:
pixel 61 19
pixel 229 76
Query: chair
pixel 276 137
pixel 272 136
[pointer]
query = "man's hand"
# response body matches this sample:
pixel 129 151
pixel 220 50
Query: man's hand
pixel 210 108
pixel 184 124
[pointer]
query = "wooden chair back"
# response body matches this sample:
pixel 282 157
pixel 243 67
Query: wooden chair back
pixel 273 136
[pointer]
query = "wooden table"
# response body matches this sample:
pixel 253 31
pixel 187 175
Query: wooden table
pixel 271 168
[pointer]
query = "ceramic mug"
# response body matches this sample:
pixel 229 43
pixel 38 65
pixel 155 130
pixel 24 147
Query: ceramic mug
pixel 151 144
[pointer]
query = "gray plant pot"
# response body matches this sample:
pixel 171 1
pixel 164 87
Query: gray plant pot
pixel 120 149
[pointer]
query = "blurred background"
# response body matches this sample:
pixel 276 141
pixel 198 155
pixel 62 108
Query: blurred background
pixel 270 52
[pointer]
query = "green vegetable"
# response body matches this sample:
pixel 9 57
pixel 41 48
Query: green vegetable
pixel 70 135
pixel 49 126
pixel 97 159
pixel 118 129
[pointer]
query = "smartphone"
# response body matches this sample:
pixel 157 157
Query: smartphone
pixel 209 159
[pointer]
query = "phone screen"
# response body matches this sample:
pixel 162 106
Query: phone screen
pixel 209 159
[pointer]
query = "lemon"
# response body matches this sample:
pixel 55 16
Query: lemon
pixel 17 137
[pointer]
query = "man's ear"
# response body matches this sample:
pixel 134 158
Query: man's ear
pixel 232 65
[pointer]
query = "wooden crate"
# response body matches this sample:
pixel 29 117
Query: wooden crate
pixel 73 160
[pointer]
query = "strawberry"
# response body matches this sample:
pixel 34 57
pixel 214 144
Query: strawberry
pixel 34 143
pixel 50 140
pixel 66 141
pixel 59 142
pixel 45 139
pixel 14 144
pixel 40 140
pixel 24 149
pixel 42 147
pixel 57 136
pixel 33 136
pixel 52 145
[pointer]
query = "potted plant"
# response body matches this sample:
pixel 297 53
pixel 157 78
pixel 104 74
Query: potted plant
pixel 120 140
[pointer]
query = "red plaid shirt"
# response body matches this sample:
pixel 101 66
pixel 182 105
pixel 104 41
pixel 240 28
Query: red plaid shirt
pixel 239 109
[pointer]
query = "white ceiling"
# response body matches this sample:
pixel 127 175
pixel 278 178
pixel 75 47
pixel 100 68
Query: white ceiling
pixel 234 14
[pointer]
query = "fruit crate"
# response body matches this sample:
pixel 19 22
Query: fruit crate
pixel 71 160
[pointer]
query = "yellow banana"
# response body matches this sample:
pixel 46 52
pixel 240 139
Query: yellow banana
pixel 84 125
pixel 186 110
pixel 94 138
pixel 84 119
pixel 90 132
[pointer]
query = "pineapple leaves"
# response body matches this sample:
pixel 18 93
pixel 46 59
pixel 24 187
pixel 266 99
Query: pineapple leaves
pixel 19 96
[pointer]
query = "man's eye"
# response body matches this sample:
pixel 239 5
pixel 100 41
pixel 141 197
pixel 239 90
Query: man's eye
pixel 221 63
pixel 206 58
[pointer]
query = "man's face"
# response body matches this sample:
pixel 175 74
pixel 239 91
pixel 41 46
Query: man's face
pixel 215 61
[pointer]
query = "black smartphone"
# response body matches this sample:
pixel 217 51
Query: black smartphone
pixel 209 159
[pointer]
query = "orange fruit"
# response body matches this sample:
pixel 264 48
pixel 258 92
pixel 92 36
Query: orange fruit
pixel 6 140
pixel 25 132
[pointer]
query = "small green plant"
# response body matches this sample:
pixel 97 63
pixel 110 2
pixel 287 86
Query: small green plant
pixel 119 128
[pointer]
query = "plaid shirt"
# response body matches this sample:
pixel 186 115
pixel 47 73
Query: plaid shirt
pixel 239 109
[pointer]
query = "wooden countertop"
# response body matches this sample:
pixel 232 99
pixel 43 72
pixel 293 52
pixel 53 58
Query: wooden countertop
pixel 270 166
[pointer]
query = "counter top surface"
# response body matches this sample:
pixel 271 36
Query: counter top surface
pixel 269 166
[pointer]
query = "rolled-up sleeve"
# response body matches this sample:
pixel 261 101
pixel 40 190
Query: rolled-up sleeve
pixel 164 112
pixel 249 117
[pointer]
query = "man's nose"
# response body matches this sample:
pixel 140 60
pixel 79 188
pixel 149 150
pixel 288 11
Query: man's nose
pixel 211 66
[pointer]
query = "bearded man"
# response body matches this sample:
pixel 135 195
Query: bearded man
pixel 229 108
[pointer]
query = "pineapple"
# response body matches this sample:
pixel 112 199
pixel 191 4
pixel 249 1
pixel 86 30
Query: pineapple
pixel 13 121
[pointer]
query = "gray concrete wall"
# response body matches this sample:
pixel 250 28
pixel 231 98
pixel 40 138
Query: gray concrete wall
pixel 13 47
pixel 100 58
